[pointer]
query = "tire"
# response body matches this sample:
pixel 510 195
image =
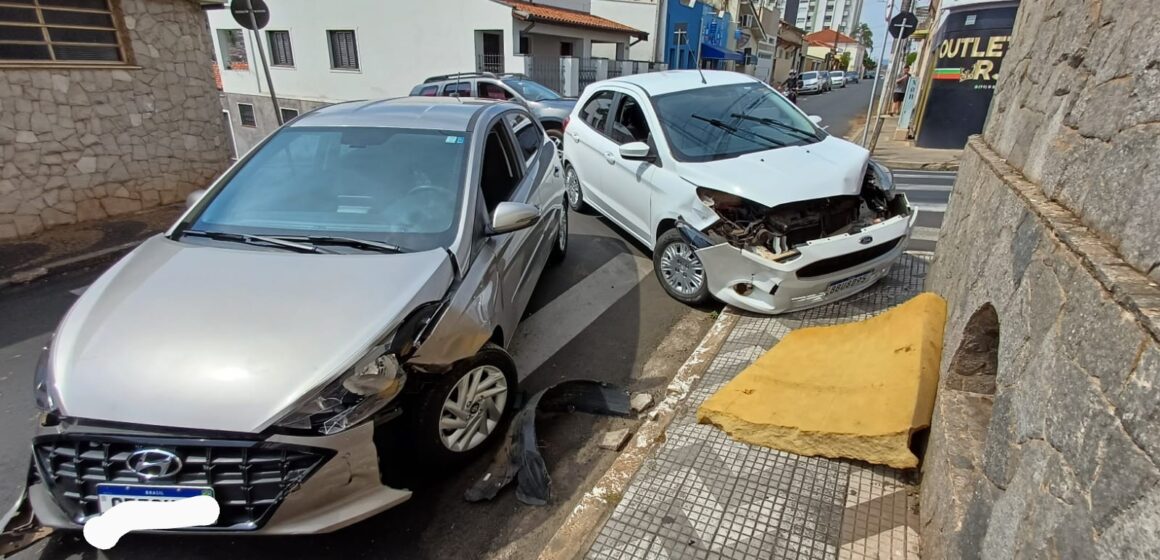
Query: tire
pixel 678 268
pixel 573 190
pixel 557 137
pixel 434 442
pixel 560 247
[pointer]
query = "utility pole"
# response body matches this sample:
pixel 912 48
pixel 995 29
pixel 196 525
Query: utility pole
pixel 887 86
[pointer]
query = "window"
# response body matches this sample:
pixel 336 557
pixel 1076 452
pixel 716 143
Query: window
pixel 289 115
pixel 523 45
pixel 72 31
pixel 233 48
pixel 630 124
pixel 280 52
pixel 461 89
pixel 595 111
pixel 492 91
pixel 246 114
pixel 565 49
pixel 681 34
pixel 343 50
pixel 429 91
pixel 499 174
pixel 528 134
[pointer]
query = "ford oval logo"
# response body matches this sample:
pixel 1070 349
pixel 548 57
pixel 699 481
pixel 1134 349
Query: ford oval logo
pixel 866 240
pixel 154 463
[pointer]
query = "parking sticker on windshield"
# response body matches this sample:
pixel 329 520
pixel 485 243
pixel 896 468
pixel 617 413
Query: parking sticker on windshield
pixel 454 140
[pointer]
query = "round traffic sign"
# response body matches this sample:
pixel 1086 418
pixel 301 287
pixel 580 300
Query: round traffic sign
pixel 901 26
pixel 251 14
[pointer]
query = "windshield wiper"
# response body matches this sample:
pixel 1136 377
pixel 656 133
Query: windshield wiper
pixel 737 131
pixel 347 242
pixel 805 134
pixel 254 240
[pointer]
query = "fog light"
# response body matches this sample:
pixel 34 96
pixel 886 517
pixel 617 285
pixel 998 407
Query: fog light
pixel 743 289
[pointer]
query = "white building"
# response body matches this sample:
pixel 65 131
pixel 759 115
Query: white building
pixel 326 52
pixel 640 14
pixel 815 15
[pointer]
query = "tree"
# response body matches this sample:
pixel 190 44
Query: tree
pixel 910 58
pixel 844 61
pixel 868 63
pixel 865 36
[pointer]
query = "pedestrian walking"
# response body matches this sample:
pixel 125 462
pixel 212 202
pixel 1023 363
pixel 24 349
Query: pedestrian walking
pixel 900 89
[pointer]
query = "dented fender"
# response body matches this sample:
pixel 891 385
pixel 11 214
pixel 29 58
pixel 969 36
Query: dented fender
pixel 468 321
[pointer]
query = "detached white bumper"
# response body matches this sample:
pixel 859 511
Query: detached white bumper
pixel 827 270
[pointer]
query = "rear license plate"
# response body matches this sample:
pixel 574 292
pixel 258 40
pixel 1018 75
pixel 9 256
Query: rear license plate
pixel 109 495
pixel 848 283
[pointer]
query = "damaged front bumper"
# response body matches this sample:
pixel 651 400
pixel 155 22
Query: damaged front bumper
pixel 824 270
pixel 280 485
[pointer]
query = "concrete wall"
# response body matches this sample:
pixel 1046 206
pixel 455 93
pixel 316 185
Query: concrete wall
pixel 640 14
pixel 83 144
pixel 1052 224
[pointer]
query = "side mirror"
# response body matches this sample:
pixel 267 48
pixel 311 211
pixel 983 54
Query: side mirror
pixel 513 216
pixel 194 197
pixel 638 151
pixel 815 119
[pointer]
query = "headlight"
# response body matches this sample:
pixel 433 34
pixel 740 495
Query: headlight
pixel 362 391
pixel 883 176
pixel 41 382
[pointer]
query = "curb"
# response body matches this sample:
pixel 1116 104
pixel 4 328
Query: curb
pixel 855 136
pixel 64 265
pixel 583 524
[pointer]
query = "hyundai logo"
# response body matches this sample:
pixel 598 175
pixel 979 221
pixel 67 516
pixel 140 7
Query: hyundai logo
pixel 866 240
pixel 153 463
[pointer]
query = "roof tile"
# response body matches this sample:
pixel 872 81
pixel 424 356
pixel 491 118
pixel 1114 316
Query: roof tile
pixel 551 14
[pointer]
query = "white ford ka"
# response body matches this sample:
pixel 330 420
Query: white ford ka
pixel 738 193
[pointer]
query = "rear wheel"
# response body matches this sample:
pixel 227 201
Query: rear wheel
pixel 679 269
pixel 557 137
pixel 560 247
pixel 575 193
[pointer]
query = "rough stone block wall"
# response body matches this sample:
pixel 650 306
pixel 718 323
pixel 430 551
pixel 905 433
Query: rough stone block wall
pixel 83 144
pixel 1062 460
pixel 1077 109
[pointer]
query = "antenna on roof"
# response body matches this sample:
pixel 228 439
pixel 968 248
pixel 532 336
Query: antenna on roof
pixel 699 71
pixel 456 90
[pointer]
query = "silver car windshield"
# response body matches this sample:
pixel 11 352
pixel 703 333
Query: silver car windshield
pixel 532 91
pixel 389 185
pixel 719 122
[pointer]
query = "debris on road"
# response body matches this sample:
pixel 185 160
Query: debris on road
pixel 20 527
pixel 520 459
pixel 641 402
pixel 615 439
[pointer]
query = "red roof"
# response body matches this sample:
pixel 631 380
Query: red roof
pixel 826 36
pixel 550 14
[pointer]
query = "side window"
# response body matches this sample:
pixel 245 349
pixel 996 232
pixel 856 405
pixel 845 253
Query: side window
pixel 492 91
pixel 429 91
pixel 499 174
pixel 529 136
pixel 462 89
pixel 630 124
pixel 595 111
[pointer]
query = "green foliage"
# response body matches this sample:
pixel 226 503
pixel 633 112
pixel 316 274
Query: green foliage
pixel 844 61
pixel 868 63
pixel 865 36
pixel 911 57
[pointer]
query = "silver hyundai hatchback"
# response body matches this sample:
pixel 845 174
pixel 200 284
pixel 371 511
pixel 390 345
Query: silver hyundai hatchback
pixel 359 271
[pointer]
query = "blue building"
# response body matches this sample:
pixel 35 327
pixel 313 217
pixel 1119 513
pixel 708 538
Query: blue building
pixel 685 24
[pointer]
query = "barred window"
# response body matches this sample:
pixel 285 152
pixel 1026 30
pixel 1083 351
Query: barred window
pixel 289 115
pixel 233 48
pixel 246 114
pixel 71 31
pixel 343 50
pixel 280 52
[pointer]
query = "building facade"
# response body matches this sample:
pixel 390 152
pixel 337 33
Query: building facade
pixel 830 45
pixel 639 14
pixel 816 15
pixel 123 118
pixel 700 30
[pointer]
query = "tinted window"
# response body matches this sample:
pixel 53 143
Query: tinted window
pixel 809 75
pixel 499 174
pixel 595 111
pixel 400 186
pixel 492 91
pixel 528 134
pixel 429 91
pixel 462 89
pixel 630 124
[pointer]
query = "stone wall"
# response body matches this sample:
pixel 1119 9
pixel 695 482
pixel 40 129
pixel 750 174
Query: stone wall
pixel 246 137
pixel 83 144
pixel 1052 230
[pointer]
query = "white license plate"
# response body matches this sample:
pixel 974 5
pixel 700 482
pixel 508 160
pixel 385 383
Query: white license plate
pixel 109 495
pixel 848 283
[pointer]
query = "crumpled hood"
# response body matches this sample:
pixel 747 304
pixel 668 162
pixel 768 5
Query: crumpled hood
pixel 216 338
pixel 831 167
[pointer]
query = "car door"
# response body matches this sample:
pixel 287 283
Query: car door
pixel 627 184
pixel 591 147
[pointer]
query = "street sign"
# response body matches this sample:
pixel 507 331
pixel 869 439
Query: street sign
pixel 251 14
pixel 901 26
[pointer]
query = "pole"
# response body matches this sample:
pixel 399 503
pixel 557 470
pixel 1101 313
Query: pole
pixel 887 85
pixel 870 105
pixel 896 60
pixel 265 67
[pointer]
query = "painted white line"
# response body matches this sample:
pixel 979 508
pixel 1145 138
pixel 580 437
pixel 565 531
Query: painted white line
pixel 557 323
pixel 77 292
pixel 929 207
pixel 920 187
pixel 921 233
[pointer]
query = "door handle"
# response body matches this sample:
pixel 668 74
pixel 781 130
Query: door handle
pixel 609 158
pixel 556 171
pixel 574 136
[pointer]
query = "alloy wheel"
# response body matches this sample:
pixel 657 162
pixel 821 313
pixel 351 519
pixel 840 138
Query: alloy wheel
pixel 682 269
pixel 572 183
pixel 562 235
pixel 473 408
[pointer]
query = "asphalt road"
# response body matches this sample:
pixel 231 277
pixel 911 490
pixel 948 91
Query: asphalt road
pixel 839 106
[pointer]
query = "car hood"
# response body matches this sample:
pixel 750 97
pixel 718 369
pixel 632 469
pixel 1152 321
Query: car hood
pixel 771 178
pixel 215 338
pixel 564 103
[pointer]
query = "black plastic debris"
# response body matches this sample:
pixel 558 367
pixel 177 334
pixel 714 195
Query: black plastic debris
pixel 520 459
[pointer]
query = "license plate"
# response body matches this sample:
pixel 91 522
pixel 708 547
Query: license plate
pixel 109 495
pixel 851 282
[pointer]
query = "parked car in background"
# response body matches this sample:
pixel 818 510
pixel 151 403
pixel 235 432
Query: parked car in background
pixel 814 82
pixel 738 193
pixel 837 78
pixel 357 273
pixel 852 77
pixel 549 107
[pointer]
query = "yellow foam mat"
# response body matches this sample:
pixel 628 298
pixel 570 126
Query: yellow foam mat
pixel 856 390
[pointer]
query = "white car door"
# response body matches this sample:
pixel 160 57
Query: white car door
pixel 628 184
pixel 589 147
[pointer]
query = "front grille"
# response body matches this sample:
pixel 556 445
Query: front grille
pixel 249 478
pixel 842 262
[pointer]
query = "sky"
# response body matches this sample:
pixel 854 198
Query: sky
pixel 874 15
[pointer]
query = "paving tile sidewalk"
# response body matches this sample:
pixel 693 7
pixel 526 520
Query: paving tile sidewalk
pixel 903 154
pixel 705 496
pixel 79 245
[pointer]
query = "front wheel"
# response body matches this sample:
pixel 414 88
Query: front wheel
pixel 679 269
pixel 560 247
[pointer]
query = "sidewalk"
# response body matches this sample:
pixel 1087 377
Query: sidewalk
pixel 903 154
pixel 79 245
pixel 705 496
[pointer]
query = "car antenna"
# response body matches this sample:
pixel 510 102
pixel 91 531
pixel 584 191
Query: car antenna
pixel 456 94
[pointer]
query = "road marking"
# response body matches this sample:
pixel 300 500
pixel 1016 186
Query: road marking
pixel 918 187
pixel 921 233
pixel 543 334
pixel 929 207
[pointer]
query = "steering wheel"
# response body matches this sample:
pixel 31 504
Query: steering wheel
pixel 423 189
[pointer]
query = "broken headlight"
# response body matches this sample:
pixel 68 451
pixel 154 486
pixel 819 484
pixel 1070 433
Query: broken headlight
pixel 362 391
pixel 42 381
pixel 883 177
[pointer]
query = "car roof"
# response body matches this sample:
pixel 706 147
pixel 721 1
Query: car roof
pixel 432 113
pixel 669 81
